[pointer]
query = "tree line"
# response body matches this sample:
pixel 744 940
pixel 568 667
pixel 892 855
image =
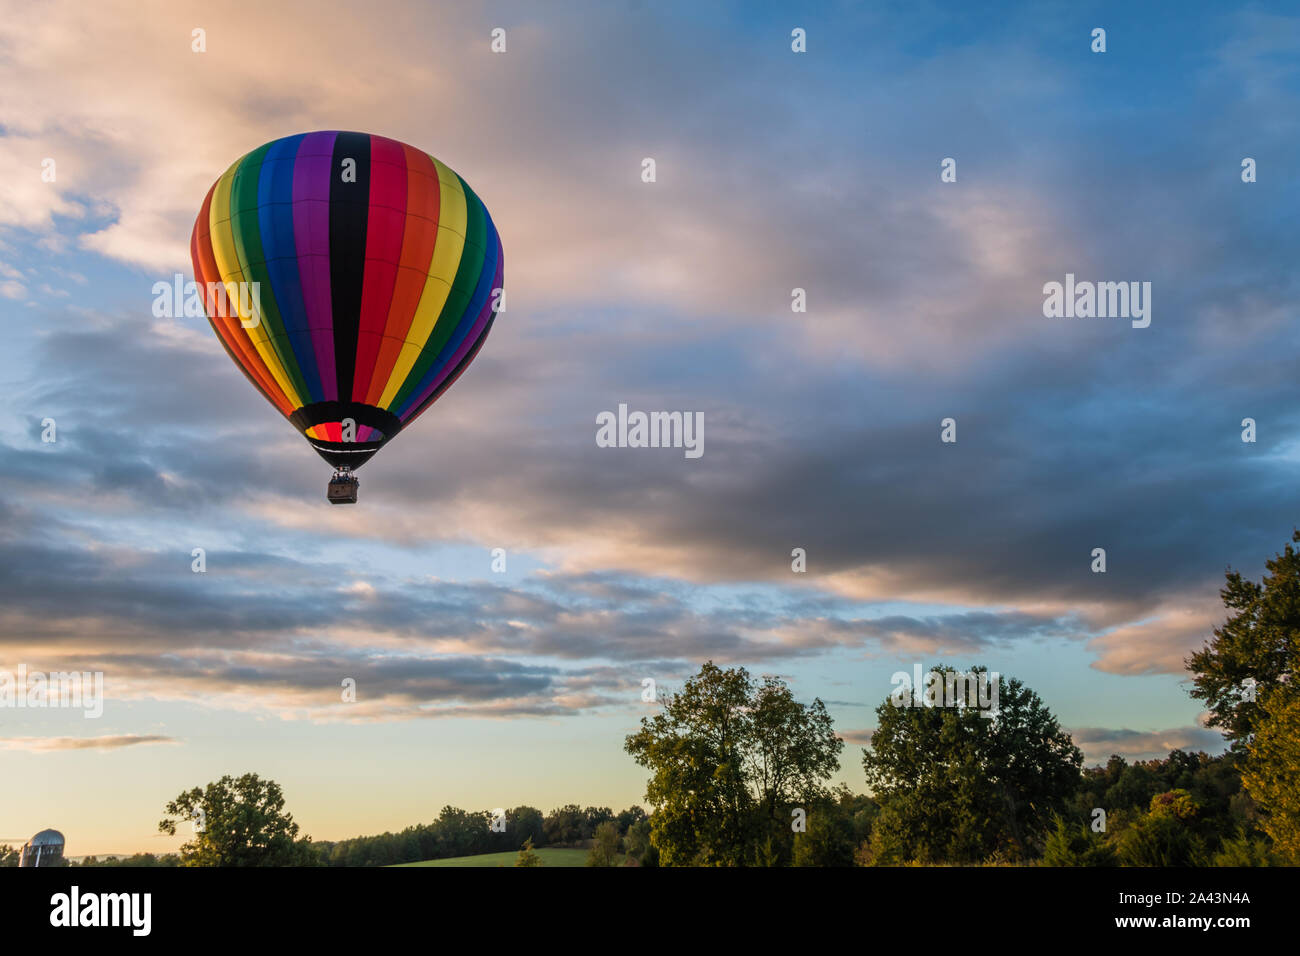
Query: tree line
pixel 739 768
pixel 458 833
pixel 739 775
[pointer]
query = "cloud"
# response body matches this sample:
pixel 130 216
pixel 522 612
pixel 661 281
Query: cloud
pixel 1098 743
pixel 862 736
pixel 712 230
pixel 822 427
pixel 26 200
pixel 142 449
pixel 1161 643
pixel 107 742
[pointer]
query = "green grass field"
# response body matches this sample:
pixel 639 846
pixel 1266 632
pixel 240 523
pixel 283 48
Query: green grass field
pixel 550 857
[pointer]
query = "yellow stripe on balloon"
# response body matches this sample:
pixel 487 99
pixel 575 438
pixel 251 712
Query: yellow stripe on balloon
pixel 447 251
pixel 223 250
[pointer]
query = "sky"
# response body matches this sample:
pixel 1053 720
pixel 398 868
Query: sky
pixel 775 171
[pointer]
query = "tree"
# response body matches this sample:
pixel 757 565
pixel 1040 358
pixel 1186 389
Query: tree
pixel 134 860
pixel 605 850
pixel 1272 772
pixel 1166 835
pixel 629 818
pixel 1076 845
pixel 1245 850
pixel 526 823
pixel 637 840
pixel 957 786
pixel 238 822
pixel 527 857
pixel 859 811
pixel 593 817
pixel 8 855
pixel 828 840
pixel 795 748
pixel 565 825
pixel 465 832
pixel 1136 785
pixel 728 759
pixel 1257 648
pixel 697 785
pixel 1247 676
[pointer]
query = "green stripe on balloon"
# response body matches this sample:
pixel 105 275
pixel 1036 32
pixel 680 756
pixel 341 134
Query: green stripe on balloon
pixel 246 229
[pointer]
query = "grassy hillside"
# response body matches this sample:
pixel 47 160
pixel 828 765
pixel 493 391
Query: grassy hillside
pixel 550 857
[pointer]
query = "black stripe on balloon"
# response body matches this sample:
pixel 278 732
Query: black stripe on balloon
pixel 351 455
pixel 349 212
pixel 318 413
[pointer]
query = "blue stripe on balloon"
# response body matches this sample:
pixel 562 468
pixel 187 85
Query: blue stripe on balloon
pixel 275 220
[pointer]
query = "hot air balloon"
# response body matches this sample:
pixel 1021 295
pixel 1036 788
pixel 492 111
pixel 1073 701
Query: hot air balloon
pixel 352 279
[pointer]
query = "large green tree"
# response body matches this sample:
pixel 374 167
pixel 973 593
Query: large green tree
pixel 1247 675
pixel 730 757
pixel 238 822
pixel 1257 649
pixel 1272 772
pixel 957 786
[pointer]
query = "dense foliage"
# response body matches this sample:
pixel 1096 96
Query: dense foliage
pixel 237 822
pixel 731 761
pixel 956 784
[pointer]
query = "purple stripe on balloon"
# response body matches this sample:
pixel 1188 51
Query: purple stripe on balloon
pixel 475 333
pixel 311 230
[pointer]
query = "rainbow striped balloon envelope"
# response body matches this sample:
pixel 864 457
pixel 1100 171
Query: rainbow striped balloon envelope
pixel 352 278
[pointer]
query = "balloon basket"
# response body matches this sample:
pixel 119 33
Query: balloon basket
pixel 342 489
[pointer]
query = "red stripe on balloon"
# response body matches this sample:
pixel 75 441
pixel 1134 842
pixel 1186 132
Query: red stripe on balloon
pixel 420 233
pixel 385 227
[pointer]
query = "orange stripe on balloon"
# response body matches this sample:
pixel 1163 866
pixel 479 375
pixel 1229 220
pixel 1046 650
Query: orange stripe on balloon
pixel 227 327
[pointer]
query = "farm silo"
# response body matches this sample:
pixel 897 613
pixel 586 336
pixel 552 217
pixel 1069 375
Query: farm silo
pixel 44 849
